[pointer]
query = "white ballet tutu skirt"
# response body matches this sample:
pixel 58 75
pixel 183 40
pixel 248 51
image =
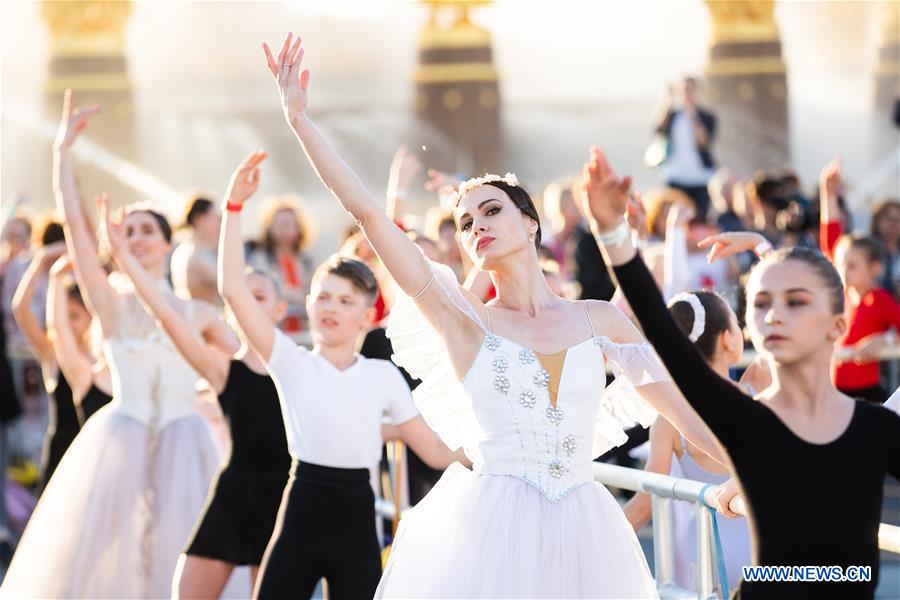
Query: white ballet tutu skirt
pixel 496 536
pixel 117 512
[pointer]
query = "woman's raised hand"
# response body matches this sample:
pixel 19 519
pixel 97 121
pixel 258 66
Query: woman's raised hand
pixel 830 179
pixel 723 245
pixel 112 229
pixel 72 122
pixel 291 79
pixel 245 179
pixel 603 196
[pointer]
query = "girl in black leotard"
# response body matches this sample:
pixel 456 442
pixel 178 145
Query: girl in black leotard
pixel 811 460
pixel 244 498
pixel 61 348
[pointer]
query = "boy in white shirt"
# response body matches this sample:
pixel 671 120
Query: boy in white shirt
pixel 332 401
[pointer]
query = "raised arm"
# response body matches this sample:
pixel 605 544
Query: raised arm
pixel 259 331
pixel 719 403
pixel 205 359
pixel 74 363
pixel 399 254
pixel 830 226
pixel 98 294
pixel 404 169
pixel 29 325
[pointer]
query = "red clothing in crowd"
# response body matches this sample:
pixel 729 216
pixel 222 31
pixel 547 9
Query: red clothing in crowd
pixel 877 312
pixel 829 234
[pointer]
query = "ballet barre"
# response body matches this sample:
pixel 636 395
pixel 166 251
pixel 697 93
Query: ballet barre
pixel 664 489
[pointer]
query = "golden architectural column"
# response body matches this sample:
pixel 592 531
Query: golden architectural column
pixel 747 84
pixel 87 54
pixel 457 90
pixel 887 82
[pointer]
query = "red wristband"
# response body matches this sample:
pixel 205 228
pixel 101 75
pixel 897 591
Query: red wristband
pixel 233 207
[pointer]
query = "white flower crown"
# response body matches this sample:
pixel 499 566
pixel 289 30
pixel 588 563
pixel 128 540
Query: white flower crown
pixel 474 182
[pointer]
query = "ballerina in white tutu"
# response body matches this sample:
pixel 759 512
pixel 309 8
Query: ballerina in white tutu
pixel 124 498
pixel 519 383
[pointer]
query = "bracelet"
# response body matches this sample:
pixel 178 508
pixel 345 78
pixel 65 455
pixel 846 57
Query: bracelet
pixel 427 285
pixel 614 236
pixel 233 207
pixel 761 248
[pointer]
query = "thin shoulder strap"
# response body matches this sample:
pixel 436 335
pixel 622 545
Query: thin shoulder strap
pixel 588 315
pixel 487 318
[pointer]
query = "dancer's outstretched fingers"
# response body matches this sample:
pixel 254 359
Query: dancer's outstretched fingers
pixel 270 60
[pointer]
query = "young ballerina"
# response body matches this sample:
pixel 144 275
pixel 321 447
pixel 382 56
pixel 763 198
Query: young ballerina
pixel 529 521
pixel 333 401
pixel 800 437
pixel 68 328
pixel 63 418
pixel 713 328
pixel 244 498
pixel 121 504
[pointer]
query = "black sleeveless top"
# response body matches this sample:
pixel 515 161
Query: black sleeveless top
pixel 61 429
pixel 93 400
pixel 251 408
pixel 63 417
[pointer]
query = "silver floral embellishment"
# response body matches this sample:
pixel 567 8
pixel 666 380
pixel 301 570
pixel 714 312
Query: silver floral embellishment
pixel 526 356
pixel 492 341
pixel 500 364
pixel 555 414
pixel 501 384
pixel 557 469
pixel 542 378
pixel 569 445
pixel 527 399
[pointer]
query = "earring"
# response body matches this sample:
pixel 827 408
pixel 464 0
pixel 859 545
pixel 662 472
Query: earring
pixel 531 238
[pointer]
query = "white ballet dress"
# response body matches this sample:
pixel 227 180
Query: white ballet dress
pixel 528 521
pixel 125 497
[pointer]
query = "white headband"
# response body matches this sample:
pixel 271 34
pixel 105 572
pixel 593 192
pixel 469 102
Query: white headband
pixel 474 182
pixel 699 313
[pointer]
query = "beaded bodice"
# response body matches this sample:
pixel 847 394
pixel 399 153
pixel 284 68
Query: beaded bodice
pixel 152 383
pixel 539 418
pixel 523 433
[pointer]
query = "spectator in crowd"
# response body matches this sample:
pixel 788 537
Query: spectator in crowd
pixel 193 263
pixel 721 190
pixel 689 130
pixel 886 229
pixel 282 252
pixel 572 246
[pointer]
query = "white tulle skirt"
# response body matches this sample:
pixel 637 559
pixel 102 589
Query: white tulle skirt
pixel 117 512
pixel 495 536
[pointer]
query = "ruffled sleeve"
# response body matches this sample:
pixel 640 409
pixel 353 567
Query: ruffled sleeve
pixel 441 398
pixel 621 406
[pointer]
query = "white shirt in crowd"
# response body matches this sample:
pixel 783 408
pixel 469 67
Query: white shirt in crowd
pixel 683 165
pixel 333 418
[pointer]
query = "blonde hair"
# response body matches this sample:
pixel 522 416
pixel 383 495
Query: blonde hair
pixel 287 202
pixel 655 200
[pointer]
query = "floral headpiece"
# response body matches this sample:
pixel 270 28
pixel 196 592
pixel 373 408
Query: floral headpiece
pixel 474 182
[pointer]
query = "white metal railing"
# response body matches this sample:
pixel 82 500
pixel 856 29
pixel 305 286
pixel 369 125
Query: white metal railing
pixel 664 489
